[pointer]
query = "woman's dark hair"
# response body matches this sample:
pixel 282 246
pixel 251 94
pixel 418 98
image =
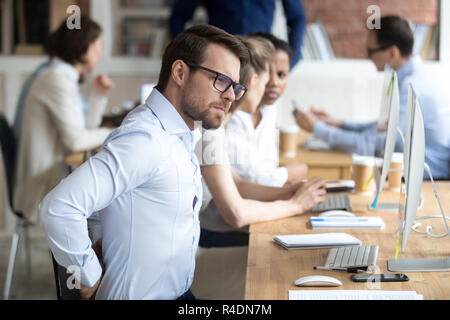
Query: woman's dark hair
pixel 191 45
pixel 395 31
pixel 71 45
pixel 277 42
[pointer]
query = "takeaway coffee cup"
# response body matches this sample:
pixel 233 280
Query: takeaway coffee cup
pixel 395 171
pixel 289 140
pixel 363 174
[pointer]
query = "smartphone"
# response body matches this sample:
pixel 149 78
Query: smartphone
pixel 340 185
pixel 388 277
pixel 295 106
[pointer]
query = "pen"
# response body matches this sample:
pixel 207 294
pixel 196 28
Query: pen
pixel 349 270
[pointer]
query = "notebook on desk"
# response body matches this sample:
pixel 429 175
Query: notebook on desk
pixel 316 241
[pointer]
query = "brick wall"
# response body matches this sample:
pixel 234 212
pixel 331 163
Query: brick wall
pixel 345 20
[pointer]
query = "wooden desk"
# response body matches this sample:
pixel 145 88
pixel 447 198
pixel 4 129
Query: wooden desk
pixel 76 159
pixel 329 165
pixel 272 270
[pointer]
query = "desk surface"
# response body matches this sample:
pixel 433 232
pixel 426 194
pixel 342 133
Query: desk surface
pixel 329 165
pixel 272 270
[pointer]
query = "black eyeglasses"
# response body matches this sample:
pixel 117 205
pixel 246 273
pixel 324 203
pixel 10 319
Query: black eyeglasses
pixel 371 51
pixel 222 82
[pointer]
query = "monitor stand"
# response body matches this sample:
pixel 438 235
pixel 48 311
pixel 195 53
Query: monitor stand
pixel 384 206
pixel 419 265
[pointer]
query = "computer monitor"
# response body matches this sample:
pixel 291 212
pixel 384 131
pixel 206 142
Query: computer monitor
pixel 414 160
pixel 391 108
pixel 146 89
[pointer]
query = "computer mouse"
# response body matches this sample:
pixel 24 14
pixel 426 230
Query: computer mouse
pixel 336 213
pixel 317 281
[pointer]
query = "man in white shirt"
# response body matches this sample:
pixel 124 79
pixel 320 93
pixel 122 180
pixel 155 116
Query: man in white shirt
pixel 146 181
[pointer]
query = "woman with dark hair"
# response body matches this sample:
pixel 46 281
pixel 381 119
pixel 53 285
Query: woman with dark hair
pixel 56 119
pixel 252 131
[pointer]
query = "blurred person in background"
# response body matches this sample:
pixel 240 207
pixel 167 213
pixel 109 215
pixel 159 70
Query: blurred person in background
pixel 245 17
pixel 392 45
pixel 56 119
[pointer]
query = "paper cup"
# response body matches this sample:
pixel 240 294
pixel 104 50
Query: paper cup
pixel 289 141
pixel 395 172
pixel 363 174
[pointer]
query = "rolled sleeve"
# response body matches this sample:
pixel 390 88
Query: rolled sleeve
pixel 279 177
pixel 362 143
pixel 321 130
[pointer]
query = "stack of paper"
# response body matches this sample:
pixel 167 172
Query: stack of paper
pixel 347 223
pixel 353 295
pixel 316 241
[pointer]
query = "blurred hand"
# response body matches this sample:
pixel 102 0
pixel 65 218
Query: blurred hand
pixel 325 117
pixel 87 293
pixel 296 172
pixel 309 194
pixel 305 120
pixel 102 84
pixel 382 126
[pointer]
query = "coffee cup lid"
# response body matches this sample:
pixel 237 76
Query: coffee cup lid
pixel 363 160
pixel 397 157
pixel 379 162
pixel 289 128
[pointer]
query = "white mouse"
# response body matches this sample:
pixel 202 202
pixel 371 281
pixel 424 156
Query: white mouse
pixel 336 213
pixel 317 281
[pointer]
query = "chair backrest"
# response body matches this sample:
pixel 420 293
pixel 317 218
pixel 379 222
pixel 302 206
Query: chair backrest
pixel 8 147
pixel 61 279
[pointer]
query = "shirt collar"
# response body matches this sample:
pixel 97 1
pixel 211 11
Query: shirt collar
pixel 170 119
pixel 409 67
pixel 68 69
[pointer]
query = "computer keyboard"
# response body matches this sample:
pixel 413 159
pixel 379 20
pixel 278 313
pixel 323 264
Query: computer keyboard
pixel 334 202
pixel 313 143
pixel 354 257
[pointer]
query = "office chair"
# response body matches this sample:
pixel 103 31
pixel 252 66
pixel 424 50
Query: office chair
pixel 8 148
pixel 61 277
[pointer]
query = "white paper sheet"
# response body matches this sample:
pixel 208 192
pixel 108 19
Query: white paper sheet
pixel 353 295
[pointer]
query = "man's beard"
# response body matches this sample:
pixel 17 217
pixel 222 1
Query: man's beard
pixel 192 108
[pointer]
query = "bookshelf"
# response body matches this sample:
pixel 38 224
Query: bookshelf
pixel 141 27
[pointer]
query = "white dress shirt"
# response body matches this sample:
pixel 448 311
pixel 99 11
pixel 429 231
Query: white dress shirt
pixel 146 183
pixel 253 151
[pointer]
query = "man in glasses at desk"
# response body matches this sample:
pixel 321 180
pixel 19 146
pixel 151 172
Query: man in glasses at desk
pixel 146 181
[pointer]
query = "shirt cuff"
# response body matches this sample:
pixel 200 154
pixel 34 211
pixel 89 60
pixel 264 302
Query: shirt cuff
pixel 92 271
pixel 348 125
pixel 321 130
pixel 282 176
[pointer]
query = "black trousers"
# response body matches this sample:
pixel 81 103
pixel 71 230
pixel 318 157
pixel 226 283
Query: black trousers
pixel 188 295
pixel 210 239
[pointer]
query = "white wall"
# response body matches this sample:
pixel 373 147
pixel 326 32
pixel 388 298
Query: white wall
pixel 348 89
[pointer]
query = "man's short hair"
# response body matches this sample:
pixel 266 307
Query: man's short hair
pixel 397 32
pixel 190 46
pixel 71 45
